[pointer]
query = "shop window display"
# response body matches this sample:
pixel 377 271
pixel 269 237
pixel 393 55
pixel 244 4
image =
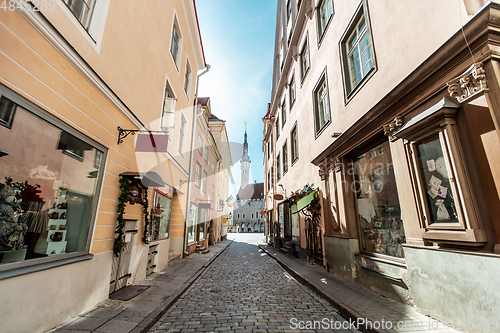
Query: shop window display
pixel 46 195
pixel 436 176
pixel 379 212
pixel 160 215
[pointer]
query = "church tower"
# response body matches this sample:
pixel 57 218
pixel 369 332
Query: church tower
pixel 245 163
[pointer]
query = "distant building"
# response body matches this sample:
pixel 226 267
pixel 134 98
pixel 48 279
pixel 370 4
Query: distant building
pixel 246 215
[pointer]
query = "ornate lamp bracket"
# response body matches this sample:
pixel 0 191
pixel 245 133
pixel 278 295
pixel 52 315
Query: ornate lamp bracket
pixel 468 84
pixel 392 127
pixel 123 133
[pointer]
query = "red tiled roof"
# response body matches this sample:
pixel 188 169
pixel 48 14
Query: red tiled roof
pixel 251 191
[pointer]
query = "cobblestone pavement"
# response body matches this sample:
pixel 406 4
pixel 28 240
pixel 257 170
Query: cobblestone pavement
pixel 246 291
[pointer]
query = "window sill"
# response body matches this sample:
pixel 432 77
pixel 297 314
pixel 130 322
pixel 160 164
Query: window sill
pixel 349 96
pixel 317 134
pixel 468 237
pixel 302 79
pixel 41 266
pixel 383 259
pixel 295 161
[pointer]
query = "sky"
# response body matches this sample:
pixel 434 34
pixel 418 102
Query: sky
pixel 238 41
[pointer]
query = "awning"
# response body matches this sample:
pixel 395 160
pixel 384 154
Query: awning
pixel 305 201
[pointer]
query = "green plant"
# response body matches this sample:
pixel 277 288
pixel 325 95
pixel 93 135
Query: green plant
pixel 122 203
pixel 299 194
pixel 145 210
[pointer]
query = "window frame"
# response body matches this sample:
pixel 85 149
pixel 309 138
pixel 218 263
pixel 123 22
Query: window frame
pixel 197 179
pixel 283 113
pixel 205 153
pixel 277 127
pixel 285 157
pixel 323 80
pixel 200 145
pixel 176 57
pixel 440 119
pixel 30 266
pixel 168 94
pixel 85 26
pixel 12 113
pixel 322 32
pixel 294 152
pixel 304 54
pixel 349 90
pixel 204 181
pixel 292 94
pixel 278 166
pixel 181 145
pixel 289 11
pixel 187 78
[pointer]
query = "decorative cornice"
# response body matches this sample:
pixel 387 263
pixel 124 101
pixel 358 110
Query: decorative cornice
pixel 393 126
pixel 468 84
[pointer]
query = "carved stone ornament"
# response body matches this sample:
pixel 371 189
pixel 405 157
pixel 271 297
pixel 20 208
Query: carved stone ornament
pixel 469 84
pixel 337 165
pixel 393 126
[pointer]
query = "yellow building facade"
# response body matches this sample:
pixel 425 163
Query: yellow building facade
pixel 71 73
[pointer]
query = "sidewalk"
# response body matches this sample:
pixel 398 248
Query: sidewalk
pixel 137 314
pixel 354 301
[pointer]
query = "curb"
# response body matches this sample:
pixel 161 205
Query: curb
pixel 154 316
pixel 346 311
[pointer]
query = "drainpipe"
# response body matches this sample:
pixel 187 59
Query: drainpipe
pixel 193 137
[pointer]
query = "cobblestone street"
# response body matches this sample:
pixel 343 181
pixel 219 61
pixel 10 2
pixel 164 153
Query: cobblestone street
pixel 246 291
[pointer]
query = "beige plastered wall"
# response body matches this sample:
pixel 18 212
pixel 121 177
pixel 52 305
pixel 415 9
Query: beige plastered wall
pixel 33 68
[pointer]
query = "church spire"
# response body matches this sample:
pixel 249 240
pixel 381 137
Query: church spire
pixel 245 162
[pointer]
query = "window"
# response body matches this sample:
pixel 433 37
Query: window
pixel 82 9
pixel 269 180
pixel 7 111
pixel 205 153
pixel 278 167
pixel 187 79
pixel 379 213
pixel 288 10
pixel 442 180
pixel 204 184
pixel 193 221
pixel 294 139
pixel 277 125
pixel 182 135
pixel 243 215
pixel 285 158
pixel 197 179
pixel 252 215
pixel 200 145
pixel 203 224
pixel 160 216
pixel 324 14
pixel 168 112
pixel 292 91
pixel 357 51
pixel 304 59
pixel 272 177
pixel 44 192
pixel 283 113
pixel 268 149
pixel 213 193
pixel 321 105
pixel 175 43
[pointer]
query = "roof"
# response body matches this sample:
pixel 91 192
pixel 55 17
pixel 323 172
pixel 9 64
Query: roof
pixel 199 33
pixel 203 100
pixel 251 191
pixel 213 117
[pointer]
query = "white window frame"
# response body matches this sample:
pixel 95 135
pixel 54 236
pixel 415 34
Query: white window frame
pixel 283 113
pixel 177 56
pixel 200 145
pixel 90 4
pixel 204 181
pixel 205 153
pixel 322 82
pixel 325 8
pixel 304 54
pixel 292 94
pixel 197 178
pixel 292 149
pixel 181 147
pixel 351 85
pixel 187 78
pixel 167 122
